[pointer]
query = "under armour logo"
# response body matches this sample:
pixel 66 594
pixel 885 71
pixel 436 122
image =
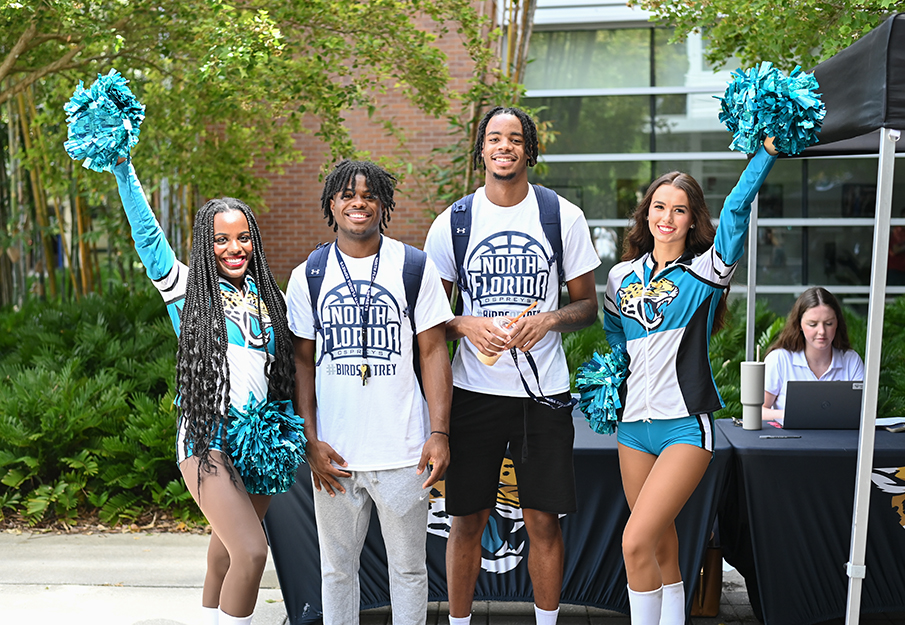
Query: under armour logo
pixel 460 230
pixel 315 272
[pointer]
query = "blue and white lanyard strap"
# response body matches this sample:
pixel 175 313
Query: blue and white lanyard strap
pixel 363 310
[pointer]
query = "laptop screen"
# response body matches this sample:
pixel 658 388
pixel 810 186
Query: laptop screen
pixel 816 405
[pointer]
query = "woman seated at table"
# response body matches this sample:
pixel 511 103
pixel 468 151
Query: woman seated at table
pixel 813 345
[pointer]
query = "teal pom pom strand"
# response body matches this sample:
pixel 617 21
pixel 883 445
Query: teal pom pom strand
pixel 104 122
pixel 598 381
pixel 761 102
pixel 267 444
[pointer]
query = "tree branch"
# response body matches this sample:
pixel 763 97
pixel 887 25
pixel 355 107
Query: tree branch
pixel 17 49
pixel 39 74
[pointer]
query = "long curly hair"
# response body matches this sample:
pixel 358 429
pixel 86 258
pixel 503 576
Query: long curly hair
pixel 639 240
pixel 791 338
pixel 202 370
pixel 379 181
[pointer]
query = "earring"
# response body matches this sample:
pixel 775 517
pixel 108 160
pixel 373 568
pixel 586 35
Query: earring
pixel 692 226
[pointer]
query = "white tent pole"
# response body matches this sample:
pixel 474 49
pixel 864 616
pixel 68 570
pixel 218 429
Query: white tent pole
pixel 752 282
pixel 855 567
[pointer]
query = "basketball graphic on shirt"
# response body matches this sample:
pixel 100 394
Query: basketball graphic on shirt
pixel 508 268
pixel 341 319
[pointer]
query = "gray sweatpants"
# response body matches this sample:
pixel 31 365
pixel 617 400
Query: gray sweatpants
pixel 342 523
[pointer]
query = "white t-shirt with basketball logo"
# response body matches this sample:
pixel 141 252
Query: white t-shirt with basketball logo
pixel 507 264
pixel 384 424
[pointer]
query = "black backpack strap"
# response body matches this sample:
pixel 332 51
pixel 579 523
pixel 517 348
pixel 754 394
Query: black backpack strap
pixel 460 228
pixel 314 272
pixel 551 222
pixel 412 273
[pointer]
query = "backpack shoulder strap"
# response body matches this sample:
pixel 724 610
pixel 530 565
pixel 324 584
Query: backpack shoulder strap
pixel 460 228
pixel 412 273
pixel 314 272
pixel 551 222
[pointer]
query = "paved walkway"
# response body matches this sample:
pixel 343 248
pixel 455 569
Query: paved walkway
pixel 155 579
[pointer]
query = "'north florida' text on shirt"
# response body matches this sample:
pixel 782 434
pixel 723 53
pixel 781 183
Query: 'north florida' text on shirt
pixel 508 267
pixel 341 318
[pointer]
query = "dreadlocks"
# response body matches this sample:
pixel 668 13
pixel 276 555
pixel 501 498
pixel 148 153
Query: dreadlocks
pixel 202 371
pixel 379 182
pixel 529 130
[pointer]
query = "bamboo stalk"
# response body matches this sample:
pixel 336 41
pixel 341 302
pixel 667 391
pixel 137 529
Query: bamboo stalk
pixel 34 174
pixel 57 201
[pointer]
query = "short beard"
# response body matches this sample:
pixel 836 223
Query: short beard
pixel 504 178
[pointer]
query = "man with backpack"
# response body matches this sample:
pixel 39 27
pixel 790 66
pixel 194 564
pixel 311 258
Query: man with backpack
pixel 507 246
pixel 367 313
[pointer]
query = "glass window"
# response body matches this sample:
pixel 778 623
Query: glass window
pixel 595 125
pixel 587 59
pixel 671 60
pixel 601 190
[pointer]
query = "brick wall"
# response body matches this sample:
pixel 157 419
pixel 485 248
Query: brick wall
pixel 295 223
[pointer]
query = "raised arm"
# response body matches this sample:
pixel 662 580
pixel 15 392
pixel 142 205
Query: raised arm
pixel 150 242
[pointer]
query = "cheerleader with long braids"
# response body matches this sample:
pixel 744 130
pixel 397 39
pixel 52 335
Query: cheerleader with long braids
pixel 235 353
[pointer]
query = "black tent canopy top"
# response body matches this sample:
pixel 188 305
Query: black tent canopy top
pixel 863 87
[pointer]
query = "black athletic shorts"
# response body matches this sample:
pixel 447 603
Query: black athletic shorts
pixel 483 426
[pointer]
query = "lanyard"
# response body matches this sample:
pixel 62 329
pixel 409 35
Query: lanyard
pixel 362 309
pixel 550 402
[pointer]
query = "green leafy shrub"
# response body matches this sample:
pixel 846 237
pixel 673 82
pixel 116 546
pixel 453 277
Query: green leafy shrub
pixel 87 420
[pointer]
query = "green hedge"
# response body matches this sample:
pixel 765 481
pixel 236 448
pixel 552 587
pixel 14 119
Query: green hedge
pixel 87 420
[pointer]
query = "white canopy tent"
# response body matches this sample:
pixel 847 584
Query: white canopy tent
pixel 863 88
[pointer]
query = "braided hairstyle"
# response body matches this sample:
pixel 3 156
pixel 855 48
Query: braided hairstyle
pixel 202 371
pixel 380 182
pixel 639 240
pixel 529 130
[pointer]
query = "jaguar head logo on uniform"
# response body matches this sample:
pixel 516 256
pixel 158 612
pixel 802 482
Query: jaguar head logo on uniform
pixel 646 305
pixel 240 309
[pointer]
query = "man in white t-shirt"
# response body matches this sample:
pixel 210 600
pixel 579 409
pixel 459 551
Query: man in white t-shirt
pixel 506 268
pixel 370 432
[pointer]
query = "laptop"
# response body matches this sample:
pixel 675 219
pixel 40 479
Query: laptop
pixel 816 405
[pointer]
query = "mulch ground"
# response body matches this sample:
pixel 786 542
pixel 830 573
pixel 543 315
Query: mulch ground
pixel 153 521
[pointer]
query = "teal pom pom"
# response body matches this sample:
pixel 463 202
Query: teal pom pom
pixel 761 103
pixel 104 122
pixel 267 444
pixel 598 381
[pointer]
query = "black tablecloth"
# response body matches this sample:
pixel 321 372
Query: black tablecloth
pixel 793 500
pixel 594 570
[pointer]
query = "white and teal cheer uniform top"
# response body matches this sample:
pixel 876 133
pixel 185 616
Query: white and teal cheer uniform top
pixel 248 349
pixel 664 321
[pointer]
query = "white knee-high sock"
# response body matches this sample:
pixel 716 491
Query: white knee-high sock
pixel 465 620
pixel 672 611
pixel 226 619
pixel 545 617
pixel 645 606
pixel 210 616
